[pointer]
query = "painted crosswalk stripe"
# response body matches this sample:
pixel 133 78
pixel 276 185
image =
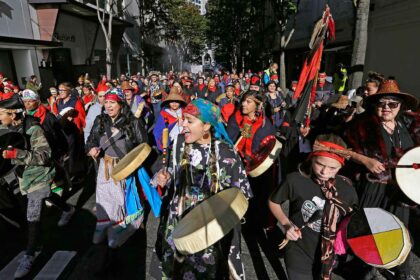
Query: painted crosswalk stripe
pixel 9 270
pixel 55 265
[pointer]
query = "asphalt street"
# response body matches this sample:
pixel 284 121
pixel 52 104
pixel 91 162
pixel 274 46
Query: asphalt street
pixel 67 252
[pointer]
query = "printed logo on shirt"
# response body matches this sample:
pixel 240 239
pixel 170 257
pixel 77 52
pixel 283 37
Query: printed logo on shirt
pixel 308 209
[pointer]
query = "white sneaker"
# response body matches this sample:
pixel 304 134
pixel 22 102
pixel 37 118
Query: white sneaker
pixel 25 265
pixel 66 216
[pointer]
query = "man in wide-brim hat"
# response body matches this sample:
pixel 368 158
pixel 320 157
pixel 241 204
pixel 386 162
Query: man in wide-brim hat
pixel 171 116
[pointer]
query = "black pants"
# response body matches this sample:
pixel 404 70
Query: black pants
pixel 34 228
pixel 300 264
pixel 6 197
pixel 59 202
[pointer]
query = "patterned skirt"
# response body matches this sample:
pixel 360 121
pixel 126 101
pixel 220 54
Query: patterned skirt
pixel 113 223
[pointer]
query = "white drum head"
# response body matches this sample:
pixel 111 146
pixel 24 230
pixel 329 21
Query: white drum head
pixel 408 178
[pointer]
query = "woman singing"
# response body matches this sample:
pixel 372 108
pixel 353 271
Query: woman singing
pixel 202 164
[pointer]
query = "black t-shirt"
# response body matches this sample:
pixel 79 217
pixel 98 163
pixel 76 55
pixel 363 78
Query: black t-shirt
pixel 305 198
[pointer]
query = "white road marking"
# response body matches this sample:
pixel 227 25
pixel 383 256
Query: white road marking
pixel 55 266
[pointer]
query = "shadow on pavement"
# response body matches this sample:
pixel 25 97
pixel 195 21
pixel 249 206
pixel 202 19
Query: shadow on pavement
pixel 258 241
pixel 101 262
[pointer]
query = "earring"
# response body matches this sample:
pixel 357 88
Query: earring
pixel 206 135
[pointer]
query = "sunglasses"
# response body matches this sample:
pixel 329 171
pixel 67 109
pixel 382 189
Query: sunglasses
pixel 391 105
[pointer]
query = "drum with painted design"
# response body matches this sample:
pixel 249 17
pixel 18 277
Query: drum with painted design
pixel 378 238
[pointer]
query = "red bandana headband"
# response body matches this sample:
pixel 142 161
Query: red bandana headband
pixel 192 110
pixel 255 80
pixel 327 149
pixel 113 97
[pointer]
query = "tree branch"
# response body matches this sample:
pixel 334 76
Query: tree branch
pixel 101 21
pixel 288 38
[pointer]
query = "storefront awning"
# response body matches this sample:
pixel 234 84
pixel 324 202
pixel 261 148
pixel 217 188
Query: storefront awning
pixel 87 11
pixel 24 43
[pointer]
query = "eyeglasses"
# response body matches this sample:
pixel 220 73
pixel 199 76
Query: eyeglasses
pixel 391 105
pixel 61 90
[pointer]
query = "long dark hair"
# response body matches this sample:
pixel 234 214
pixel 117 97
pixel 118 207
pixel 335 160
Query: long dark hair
pixel 266 110
pixel 123 121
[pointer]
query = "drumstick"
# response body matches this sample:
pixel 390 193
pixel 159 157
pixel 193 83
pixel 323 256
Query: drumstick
pixel 139 110
pixel 315 216
pixel 237 142
pixel 112 139
pixel 414 165
pixel 165 139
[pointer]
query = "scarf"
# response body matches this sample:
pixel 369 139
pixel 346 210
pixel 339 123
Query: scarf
pixel 39 113
pixel 88 98
pixel 201 86
pixel 333 209
pixel 334 206
pixel 248 129
pixel 212 89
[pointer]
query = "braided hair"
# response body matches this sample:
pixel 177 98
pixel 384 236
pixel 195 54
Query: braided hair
pixel 262 108
pixel 212 166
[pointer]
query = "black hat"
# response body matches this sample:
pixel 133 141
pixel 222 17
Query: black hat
pixel 12 105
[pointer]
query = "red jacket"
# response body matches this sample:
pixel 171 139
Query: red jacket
pixel 80 118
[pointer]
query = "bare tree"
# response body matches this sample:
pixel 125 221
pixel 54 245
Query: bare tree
pixel 360 43
pixel 283 10
pixel 105 16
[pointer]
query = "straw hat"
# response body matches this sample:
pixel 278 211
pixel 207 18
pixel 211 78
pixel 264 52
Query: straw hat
pixel 153 73
pixel 126 85
pixel 391 88
pixel 341 103
pixel 174 96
